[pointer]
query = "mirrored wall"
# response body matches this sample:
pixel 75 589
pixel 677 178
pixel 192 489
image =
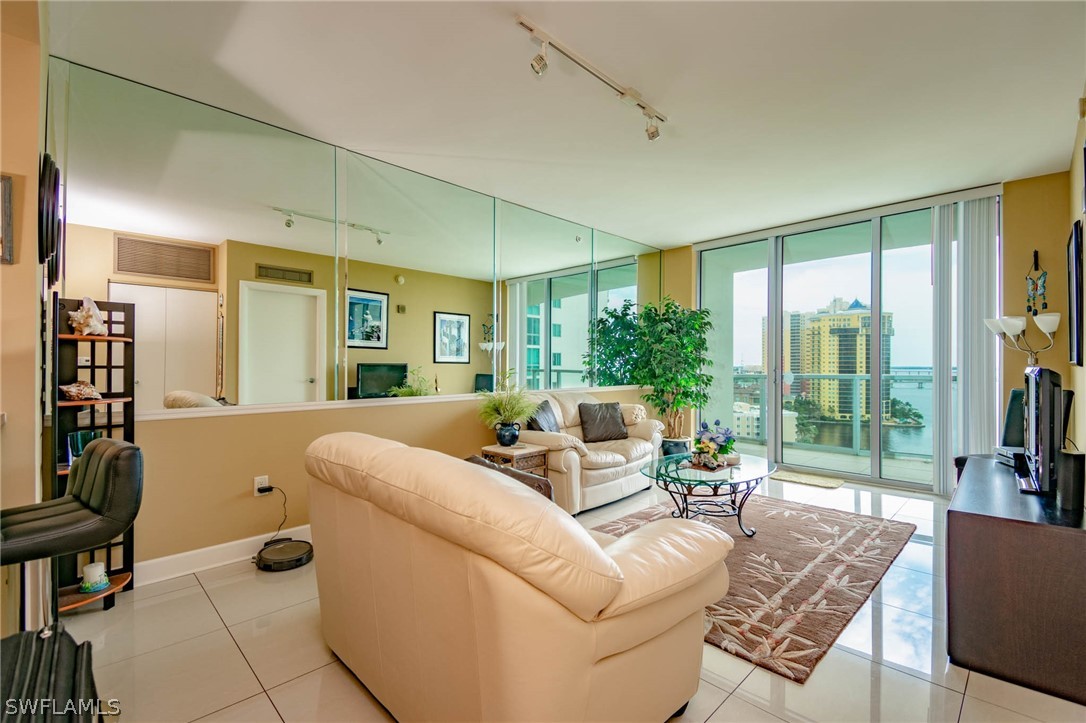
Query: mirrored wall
pixel 268 267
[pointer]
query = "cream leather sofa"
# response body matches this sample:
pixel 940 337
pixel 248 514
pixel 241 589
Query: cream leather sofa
pixel 456 593
pixel 590 474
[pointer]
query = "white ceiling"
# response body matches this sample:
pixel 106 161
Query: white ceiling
pixel 779 111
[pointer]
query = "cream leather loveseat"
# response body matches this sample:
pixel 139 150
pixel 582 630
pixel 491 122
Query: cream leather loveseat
pixel 590 474
pixel 456 593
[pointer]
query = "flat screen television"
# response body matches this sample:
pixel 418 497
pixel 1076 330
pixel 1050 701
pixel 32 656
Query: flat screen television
pixel 374 380
pixel 1043 430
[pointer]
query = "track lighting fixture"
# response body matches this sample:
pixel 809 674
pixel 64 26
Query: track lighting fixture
pixel 539 62
pixel 628 95
pixel 651 129
pixel 291 213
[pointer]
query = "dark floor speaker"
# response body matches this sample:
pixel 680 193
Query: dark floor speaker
pixel 1070 482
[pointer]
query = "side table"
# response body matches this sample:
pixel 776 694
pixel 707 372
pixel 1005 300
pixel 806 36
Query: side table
pixel 524 457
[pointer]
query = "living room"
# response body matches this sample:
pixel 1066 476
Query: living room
pixel 430 203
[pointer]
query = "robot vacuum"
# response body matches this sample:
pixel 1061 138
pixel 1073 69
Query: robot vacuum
pixel 284 554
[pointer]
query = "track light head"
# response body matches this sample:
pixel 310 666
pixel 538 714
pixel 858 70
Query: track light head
pixel 539 62
pixel 652 131
pixel 289 223
pixel 380 240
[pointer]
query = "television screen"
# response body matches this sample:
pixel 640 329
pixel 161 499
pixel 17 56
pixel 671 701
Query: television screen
pixel 374 380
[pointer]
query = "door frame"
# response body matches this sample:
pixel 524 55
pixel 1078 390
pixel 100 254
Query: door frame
pixel 245 288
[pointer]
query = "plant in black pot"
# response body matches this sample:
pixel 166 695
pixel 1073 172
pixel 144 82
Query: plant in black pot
pixel 505 409
pixel 672 351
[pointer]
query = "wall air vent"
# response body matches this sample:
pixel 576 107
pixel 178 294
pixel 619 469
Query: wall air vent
pixel 164 259
pixel 283 273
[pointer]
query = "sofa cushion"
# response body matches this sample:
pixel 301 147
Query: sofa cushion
pixel 631 449
pixel 476 508
pixel 601 422
pixel 544 420
pixel 567 405
pixel 601 459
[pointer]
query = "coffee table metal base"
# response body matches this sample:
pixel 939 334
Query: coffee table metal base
pixel 724 500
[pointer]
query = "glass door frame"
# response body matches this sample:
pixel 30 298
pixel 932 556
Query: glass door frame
pixel 942 237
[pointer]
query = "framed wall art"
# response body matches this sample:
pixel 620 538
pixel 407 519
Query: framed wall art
pixel 452 338
pixel 367 319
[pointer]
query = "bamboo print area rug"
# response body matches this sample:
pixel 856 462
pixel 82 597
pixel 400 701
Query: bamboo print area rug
pixel 796 584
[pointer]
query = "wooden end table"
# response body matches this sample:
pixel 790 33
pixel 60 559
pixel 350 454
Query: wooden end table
pixel 524 457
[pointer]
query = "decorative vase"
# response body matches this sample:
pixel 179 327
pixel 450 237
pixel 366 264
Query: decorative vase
pixel 733 459
pixel 508 434
pixel 675 446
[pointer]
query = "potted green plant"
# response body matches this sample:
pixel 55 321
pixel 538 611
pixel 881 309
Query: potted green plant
pixel 506 408
pixel 672 351
pixel 416 386
pixel 612 341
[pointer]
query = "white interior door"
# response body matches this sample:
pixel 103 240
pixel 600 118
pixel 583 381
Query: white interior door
pixel 280 344
pixel 191 318
pixel 150 340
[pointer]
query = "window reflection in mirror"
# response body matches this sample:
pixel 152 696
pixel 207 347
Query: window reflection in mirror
pixel 419 256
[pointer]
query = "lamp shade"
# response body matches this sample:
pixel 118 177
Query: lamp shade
pixel 1048 323
pixel 994 326
pixel 1013 325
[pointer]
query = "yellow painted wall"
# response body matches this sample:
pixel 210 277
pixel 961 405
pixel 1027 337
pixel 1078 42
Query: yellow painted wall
pixel 1075 206
pixel 411 334
pixel 678 277
pixel 649 278
pixel 1035 213
pixel 198 473
pixel 20 349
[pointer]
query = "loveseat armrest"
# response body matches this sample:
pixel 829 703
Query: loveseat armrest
pixel 554 441
pixel 663 558
pixel 646 429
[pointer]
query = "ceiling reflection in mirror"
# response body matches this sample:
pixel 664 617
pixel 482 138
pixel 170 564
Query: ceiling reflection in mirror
pixel 268 267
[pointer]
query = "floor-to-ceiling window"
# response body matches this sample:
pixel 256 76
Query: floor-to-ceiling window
pixel 829 351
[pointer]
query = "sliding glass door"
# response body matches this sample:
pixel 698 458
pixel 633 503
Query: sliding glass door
pixel 825 352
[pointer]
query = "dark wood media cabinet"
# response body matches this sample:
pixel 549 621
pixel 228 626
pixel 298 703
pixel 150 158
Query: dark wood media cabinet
pixel 1016 584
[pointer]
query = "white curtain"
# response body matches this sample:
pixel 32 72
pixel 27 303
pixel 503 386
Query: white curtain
pixel 977 399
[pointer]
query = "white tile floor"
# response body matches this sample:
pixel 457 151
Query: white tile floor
pixel 235 644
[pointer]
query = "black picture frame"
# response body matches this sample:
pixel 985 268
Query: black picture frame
pixel 1074 292
pixel 7 242
pixel 452 338
pixel 367 319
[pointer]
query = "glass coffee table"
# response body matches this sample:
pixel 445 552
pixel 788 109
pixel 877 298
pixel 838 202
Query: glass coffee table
pixel 717 493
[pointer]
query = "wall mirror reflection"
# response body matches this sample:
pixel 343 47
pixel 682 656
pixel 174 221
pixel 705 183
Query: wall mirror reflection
pixel 268 267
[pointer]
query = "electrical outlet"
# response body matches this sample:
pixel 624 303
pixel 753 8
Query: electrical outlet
pixel 258 482
pixel 83 361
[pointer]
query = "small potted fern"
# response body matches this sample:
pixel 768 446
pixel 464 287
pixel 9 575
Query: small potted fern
pixel 505 409
pixel 417 386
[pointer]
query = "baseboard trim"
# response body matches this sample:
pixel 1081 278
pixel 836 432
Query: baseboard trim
pixel 186 563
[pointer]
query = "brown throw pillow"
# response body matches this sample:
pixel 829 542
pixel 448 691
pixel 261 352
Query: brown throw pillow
pixel 601 422
pixel 544 419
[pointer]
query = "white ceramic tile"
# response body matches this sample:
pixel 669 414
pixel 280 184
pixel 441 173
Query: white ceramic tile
pixel 737 710
pixel 249 593
pixel 721 669
pixel 258 709
pixel 931 508
pixel 1025 701
pixel 143 625
pixel 180 682
pixel 330 693
pixel 846 687
pixel 907 641
pixel 863 502
pixel 925 528
pixel 285 644
pixel 703 704
pixel 923 557
pixel 588 521
pixel 225 571
pixel 142 592
pixel 913 590
pixel 977 711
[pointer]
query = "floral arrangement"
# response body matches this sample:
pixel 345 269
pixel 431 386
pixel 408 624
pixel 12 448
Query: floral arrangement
pixel 712 444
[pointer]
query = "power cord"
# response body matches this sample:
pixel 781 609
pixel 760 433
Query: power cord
pixel 268 488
